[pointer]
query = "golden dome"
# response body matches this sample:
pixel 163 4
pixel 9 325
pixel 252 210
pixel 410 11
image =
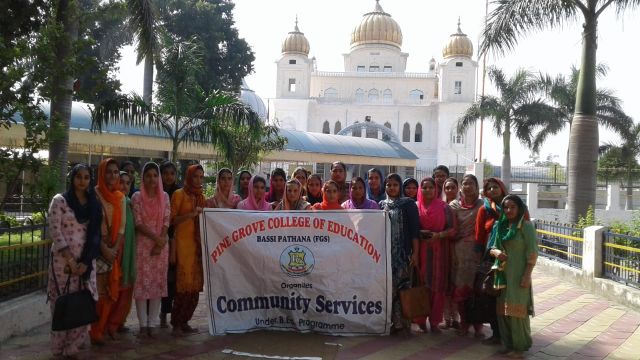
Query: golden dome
pixel 295 42
pixel 458 45
pixel 377 27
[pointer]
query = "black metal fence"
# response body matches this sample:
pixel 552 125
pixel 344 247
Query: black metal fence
pixel 621 258
pixel 24 260
pixel 562 242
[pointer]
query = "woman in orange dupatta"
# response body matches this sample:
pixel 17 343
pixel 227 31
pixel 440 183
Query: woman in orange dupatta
pixel 113 227
pixel 330 197
pixel 186 207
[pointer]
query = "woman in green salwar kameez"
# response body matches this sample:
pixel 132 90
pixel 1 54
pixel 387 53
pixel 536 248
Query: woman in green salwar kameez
pixel 513 244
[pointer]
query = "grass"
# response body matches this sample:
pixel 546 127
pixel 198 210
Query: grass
pixel 14 237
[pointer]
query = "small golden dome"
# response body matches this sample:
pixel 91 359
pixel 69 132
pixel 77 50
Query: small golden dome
pixel 377 27
pixel 458 45
pixel 295 42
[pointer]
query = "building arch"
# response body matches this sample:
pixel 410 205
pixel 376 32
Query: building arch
pixel 326 127
pixel 373 95
pixel 337 127
pixel 406 133
pixel 418 134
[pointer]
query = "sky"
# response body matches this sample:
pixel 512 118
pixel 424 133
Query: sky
pixel 426 26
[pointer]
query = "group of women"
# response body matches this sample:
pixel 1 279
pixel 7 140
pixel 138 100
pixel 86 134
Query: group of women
pixel 145 245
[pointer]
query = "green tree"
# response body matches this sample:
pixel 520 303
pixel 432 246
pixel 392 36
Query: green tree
pixel 621 160
pixel 144 22
pixel 562 91
pixel 227 57
pixel 517 109
pixel 184 112
pixel 514 18
pixel 242 148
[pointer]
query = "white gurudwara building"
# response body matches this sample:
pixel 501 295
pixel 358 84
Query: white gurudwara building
pixel 420 108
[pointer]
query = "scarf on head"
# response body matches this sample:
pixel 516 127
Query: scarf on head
pixel 250 202
pixel 271 195
pixel 381 195
pixel 238 189
pixel 408 181
pixel 326 205
pixel 493 209
pixel 314 199
pixel 432 217
pixel 364 204
pixel 153 205
pixel 298 203
pixel 502 232
pixel 222 200
pixel 90 213
pixel 114 198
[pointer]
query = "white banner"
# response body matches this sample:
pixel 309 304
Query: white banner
pixel 328 272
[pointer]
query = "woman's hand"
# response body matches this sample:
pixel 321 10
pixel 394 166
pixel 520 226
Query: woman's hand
pixel 525 282
pixel 80 269
pixel 414 259
pixel 498 254
pixel 109 253
pixel 426 234
pixel 197 211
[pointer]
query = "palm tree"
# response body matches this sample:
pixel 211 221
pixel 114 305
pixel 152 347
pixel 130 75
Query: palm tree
pixel 514 18
pixel 627 154
pixel 184 112
pixel 517 108
pixel 67 15
pixel 143 22
pixel 562 93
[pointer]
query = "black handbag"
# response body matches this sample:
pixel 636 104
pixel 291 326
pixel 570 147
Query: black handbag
pixel 485 277
pixel 72 310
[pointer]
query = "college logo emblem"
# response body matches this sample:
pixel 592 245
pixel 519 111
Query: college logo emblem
pixel 297 260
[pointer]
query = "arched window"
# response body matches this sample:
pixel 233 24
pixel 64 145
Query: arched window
pixel 356 132
pixel 386 96
pixel 325 128
pixel 418 134
pixel 331 93
pixel 372 133
pixel 359 95
pixel 406 133
pixel 337 127
pixel 373 95
pixel 457 139
pixel 416 95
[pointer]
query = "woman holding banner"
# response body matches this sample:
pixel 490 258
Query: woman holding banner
pixel 466 260
pixel 405 225
pixel 186 207
pixel 339 176
pixel 358 196
pixel 224 197
pixel 151 212
pixel 301 175
pixel 293 197
pixel 330 197
pixel 256 199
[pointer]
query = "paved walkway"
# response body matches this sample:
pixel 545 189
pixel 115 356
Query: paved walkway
pixel 569 324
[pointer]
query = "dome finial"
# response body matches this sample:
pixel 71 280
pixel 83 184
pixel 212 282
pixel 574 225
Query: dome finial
pixel 296 26
pixel 459 30
pixel 378 8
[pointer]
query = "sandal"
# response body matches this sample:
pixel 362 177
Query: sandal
pixel 188 329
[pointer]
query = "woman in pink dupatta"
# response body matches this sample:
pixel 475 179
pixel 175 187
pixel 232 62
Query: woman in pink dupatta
pixel 224 196
pixel 256 199
pixel 434 251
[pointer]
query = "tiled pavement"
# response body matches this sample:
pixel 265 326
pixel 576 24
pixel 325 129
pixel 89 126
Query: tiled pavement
pixel 569 324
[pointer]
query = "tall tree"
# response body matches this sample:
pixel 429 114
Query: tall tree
pixel 511 19
pixel 184 112
pixel 65 27
pixel 227 57
pixel 518 108
pixel 243 148
pixel 144 22
pixel 562 91
pixel 623 157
